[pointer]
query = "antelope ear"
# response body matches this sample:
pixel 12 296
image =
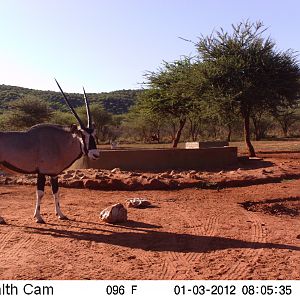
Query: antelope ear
pixel 74 129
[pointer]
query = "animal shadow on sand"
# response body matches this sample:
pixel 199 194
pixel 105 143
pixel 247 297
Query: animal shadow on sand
pixel 129 224
pixel 152 240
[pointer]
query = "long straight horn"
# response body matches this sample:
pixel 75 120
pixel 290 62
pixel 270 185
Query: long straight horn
pixel 70 106
pixel 88 112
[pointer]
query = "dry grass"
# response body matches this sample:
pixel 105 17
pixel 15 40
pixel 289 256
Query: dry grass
pixel 260 146
pixel 270 146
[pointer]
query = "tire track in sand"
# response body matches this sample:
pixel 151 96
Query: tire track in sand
pixel 249 255
pixel 181 263
pixel 14 245
pixel 178 263
pixel 4 238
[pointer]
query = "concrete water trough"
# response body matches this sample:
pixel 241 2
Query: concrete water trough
pixel 206 144
pixel 161 159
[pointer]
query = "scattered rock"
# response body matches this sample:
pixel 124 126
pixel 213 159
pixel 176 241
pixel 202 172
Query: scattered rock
pixel 69 172
pixel 76 184
pixel 132 184
pixel 79 172
pixel 173 184
pixel 118 179
pixel 101 176
pixel 67 176
pixel 9 180
pixel 138 203
pixel 19 181
pixel 134 174
pixel 92 184
pixel 116 213
pixel 264 171
pixel 131 257
pixel 184 185
pixel 164 175
pixel 192 172
pixel 155 184
pixel 116 184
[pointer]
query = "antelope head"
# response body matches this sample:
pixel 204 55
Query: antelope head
pixel 86 134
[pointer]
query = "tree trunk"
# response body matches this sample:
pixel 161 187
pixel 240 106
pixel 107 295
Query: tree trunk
pixel 194 130
pixel 193 133
pixel 158 136
pixel 256 130
pixel 178 133
pixel 247 136
pixel 229 133
pixel 173 133
pixel 257 134
pixel 285 129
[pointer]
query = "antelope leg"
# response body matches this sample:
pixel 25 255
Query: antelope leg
pixel 54 185
pixel 39 195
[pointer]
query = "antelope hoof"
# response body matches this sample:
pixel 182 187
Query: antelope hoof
pixel 39 221
pixel 63 217
pixel 2 221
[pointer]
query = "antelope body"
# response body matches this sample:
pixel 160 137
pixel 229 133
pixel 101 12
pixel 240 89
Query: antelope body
pixel 44 149
pixel 47 149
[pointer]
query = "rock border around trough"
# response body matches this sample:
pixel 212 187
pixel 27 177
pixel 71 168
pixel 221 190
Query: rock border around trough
pixel 112 180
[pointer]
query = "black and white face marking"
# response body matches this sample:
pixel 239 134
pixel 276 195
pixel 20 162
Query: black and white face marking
pixel 89 143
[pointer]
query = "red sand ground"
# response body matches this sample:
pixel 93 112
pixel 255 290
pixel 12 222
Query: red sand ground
pixel 248 232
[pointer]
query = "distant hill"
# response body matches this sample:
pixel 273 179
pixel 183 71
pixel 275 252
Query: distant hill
pixel 116 102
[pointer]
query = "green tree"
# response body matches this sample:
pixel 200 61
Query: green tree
pixel 142 123
pixel 101 118
pixel 63 118
pixel 262 122
pixel 245 70
pixel 116 128
pixel 286 118
pixel 26 112
pixel 218 114
pixel 172 92
pixel 195 121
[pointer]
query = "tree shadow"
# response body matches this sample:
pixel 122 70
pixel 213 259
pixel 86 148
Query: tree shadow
pixel 279 151
pixel 252 164
pixel 150 240
pixel 244 163
pixel 247 204
pixel 280 206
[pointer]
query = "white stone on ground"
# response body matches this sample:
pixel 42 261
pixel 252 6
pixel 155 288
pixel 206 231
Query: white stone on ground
pixel 138 203
pixel 116 213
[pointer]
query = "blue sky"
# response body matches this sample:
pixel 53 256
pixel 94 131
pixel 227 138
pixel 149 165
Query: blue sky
pixel 107 45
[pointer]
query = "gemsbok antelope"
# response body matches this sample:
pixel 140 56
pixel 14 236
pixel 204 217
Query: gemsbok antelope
pixel 47 149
